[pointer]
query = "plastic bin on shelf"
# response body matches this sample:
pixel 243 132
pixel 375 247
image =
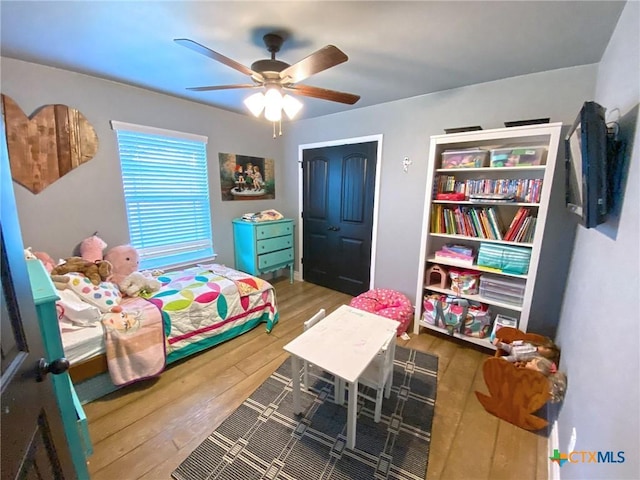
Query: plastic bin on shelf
pixel 517 156
pixel 472 158
pixel 507 290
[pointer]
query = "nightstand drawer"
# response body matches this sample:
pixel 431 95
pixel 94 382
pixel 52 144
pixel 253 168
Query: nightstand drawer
pixel 276 258
pixel 274 244
pixel 275 230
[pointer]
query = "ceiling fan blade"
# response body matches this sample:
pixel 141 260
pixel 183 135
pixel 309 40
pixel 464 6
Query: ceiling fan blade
pixel 318 61
pixel 324 94
pixel 223 87
pixel 196 47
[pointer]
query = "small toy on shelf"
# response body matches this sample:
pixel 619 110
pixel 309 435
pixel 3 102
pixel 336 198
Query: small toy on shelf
pixel 437 274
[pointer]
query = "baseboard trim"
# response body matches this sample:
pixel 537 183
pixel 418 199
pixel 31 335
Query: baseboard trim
pixel 553 470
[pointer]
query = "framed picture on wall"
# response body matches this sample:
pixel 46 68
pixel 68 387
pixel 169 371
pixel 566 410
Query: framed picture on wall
pixel 243 177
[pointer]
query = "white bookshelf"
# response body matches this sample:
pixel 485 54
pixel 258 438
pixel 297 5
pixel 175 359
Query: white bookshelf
pixel 546 135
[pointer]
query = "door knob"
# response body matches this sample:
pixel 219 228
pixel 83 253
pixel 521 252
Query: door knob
pixel 56 367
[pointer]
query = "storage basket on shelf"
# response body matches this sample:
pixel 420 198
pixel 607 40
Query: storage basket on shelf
pixel 457 315
pixel 465 282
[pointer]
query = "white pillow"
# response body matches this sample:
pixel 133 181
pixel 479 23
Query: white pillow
pixel 74 312
pixel 104 296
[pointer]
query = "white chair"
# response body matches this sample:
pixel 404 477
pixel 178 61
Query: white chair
pixel 379 376
pixel 307 371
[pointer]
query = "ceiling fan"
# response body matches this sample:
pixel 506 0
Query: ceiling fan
pixel 278 75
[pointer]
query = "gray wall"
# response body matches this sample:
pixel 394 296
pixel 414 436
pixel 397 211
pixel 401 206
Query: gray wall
pixel 406 126
pixel 598 331
pixel 90 197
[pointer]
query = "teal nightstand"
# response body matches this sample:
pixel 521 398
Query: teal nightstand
pixel 262 247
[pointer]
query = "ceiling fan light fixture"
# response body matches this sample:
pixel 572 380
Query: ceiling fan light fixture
pixel 275 76
pixel 291 106
pixel 273 105
pixel 255 103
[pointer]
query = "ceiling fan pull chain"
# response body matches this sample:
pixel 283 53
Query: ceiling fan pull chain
pixel 274 130
pixel 280 126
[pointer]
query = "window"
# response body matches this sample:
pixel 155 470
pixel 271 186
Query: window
pixel 166 191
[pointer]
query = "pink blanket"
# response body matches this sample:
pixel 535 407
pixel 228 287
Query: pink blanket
pixel 134 341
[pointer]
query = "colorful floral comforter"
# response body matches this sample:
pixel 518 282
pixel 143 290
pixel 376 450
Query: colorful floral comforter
pixel 208 304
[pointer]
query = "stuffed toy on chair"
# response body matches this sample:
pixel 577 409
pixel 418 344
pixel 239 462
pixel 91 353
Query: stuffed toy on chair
pixel 124 261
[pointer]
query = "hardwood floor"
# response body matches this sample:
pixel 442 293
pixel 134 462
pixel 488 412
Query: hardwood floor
pixel 146 430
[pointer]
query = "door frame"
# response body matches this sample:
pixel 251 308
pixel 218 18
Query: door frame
pixel 376 195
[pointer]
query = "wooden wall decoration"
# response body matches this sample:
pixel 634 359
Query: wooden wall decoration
pixel 48 145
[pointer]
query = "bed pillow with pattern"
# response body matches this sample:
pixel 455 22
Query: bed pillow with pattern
pixel 105 296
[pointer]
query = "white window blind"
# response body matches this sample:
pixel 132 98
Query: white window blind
pixel 166 190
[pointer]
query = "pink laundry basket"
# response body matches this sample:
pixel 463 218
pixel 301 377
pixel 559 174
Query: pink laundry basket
pixel 386 303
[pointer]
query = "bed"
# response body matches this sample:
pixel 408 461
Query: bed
pixel 200 307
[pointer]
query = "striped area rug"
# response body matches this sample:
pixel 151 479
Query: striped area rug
pixel 263 439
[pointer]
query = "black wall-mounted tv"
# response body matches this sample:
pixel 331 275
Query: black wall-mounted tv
pixel 586 160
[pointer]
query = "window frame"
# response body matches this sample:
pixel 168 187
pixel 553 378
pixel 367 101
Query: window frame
pixel 161 146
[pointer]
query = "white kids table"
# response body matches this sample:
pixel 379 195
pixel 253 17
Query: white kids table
pixel 343 343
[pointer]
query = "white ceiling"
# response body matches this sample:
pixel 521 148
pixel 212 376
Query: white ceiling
pixel 396 49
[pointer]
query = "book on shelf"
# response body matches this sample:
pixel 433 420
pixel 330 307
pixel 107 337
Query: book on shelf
pixel 516 223
pixel 495 223
pixel 478 222
pixel 460 254
pixel 479 231
pixel 525 235
pixel 450 256
pixel 522 227
pixel 452 196
pixel 498 190
pixel 484 223
pixel 461 249
pixel 521 231
pixel 492 197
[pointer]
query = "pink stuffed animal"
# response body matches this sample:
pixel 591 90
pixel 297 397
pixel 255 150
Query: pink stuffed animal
pixel 46 260
pixel 124 261
pixel 91 248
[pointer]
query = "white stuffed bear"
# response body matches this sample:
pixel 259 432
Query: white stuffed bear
pixel 138 283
